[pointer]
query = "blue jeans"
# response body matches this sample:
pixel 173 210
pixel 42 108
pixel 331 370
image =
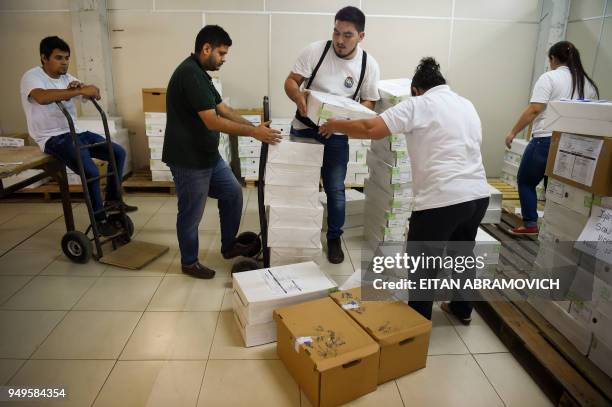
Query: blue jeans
pixel 61 147
pixel 193 186
pixel 530 173
pixel 335 159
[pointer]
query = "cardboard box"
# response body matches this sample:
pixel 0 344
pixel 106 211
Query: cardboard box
pixel 249 173
pixel 384 173
pixel 581 161
pixel 378 216
pixel 249 162
pixel 395 158
pixel 323 106
pixel 294 237
pixel 295 217
pixel 165 176
pixel 576 332
pixel 402 192
pixel 566 221
pixel 401 332
pixel 259 292
pixel 328 354
pixel 255 334
pixel 296 153
pixel 385 233
pixel 282 124
pixel 292 175
pixel 495 201
pixel 154 100
pixel 394 91
pixel 394 142
pixel 510 168
pixel 158 165
pixel 248 141
pixel 249 151
pixel 573 116
pixel 518 146
pixel 155 141
pixel 280 256
pixel 387 202
pixel 283 195
pixel 512 157
pixel 156 153
pixel 570 197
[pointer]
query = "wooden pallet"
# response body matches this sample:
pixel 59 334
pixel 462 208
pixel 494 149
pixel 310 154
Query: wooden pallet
pixel 508 191
pixel 140 181
pixel 566 376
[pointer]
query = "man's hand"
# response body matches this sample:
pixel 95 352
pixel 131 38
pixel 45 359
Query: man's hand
pixel 75 85
pixel 327 129
pixel 267 135
pixel 301 100
pixel 90 92
pixel 509 139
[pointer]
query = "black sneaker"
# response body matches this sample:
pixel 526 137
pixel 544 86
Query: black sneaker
pixel 335 255
pixel 115 206
pixel 199 271
pixel 106 229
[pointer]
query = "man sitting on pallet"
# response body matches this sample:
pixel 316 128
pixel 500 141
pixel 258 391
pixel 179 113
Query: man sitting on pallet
pixel 41 87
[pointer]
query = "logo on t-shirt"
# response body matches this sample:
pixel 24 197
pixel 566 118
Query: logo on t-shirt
pixel 348 82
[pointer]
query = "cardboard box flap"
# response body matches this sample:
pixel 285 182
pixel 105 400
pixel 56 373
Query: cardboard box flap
pixel 388 321
pixel 325 333
pixel 154 90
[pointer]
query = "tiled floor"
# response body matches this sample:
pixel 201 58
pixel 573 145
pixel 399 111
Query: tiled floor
pixel 156 337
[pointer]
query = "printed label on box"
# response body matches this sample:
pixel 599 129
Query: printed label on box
pixel 577 158
pixel 281 283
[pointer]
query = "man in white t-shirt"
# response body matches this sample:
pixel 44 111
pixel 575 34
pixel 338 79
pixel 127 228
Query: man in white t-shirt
pixel 443 135
pixel 41 87
pixel 339 67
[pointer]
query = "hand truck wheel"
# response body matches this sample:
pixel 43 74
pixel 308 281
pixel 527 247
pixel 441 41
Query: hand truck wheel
pixel 77 246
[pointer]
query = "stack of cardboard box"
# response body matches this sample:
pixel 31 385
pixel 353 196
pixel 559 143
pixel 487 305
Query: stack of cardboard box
pixel 291 194
pixel 389 197
pixel 257 293
pixel 249 150
pixel 357 168
pixel 579 209
pixel 340 348
pixel 154 108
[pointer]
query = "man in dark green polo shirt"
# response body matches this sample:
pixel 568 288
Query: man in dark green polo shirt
pixel 195 116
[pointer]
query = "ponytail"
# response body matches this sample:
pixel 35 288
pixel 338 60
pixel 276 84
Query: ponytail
pixel 566 53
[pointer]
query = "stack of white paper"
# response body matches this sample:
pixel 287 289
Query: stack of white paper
pixel 249 150
pixel 512 161
pixel 357 169
pixel 257 293
pixel 291 193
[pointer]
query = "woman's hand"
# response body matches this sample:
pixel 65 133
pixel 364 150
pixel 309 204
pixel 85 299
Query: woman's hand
pixel 509 139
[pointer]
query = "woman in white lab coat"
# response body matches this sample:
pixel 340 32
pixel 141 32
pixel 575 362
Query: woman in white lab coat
pixel 566 80
pixel 443 134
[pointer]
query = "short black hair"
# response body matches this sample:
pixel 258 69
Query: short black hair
pixel 48 44
pixel 213 35
pixel 352 15
pixel 427 74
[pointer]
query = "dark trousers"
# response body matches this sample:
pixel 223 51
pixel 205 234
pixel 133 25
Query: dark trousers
pixel 454 223
pixel 62 148
pixel 193 186
pixel 530 173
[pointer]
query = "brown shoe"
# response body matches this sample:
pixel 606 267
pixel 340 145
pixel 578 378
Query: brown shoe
pixel 199 271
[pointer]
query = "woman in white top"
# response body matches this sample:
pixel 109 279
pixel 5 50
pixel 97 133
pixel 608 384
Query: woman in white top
pixel 566 80
pixel 443 134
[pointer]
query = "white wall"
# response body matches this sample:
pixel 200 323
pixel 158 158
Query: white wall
pixel 590 29
pixel 486 49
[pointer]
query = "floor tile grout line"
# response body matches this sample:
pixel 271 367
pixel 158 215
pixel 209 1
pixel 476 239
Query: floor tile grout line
pixel 399 392
pixel 212 341
pixel 489 380
pixel 31 235
pixel 2 308
pixel 23 363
